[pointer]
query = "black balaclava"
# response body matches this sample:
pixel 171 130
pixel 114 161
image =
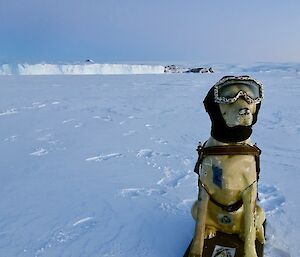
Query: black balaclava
pixel 219 130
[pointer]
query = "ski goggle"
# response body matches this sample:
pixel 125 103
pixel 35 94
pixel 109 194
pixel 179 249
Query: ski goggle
pixel 230 88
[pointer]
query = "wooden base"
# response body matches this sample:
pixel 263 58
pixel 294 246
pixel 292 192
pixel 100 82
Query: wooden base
pixel 226 245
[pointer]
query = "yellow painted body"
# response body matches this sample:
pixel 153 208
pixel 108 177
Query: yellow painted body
pixel 238 181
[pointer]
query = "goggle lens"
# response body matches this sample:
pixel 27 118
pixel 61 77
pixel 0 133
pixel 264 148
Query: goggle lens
pixel 229 89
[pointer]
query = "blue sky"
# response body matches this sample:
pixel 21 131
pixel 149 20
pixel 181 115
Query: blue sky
pixel 156 30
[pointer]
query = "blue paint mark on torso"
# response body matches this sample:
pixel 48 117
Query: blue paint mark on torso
pixel 217 176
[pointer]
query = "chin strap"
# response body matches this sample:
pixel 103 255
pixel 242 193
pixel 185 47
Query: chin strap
pixel 243 149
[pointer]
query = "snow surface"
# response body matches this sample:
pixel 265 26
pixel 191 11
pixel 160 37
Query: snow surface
pixel 103 165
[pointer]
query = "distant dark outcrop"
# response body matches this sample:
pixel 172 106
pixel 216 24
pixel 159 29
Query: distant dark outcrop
pixel 175 69
pixel 89 61
pixel 172 69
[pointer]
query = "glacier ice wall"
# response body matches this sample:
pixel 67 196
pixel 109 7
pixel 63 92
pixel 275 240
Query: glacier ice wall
pixel 78 69
pixel 5 69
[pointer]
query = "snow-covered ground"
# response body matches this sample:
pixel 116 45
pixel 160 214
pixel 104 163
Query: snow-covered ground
pixel 103 165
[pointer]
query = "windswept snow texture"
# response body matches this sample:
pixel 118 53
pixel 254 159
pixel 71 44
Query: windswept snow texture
pixel 78 69
pixel 103 165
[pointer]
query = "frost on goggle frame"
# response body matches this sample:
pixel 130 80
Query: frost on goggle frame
pixel 246 81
